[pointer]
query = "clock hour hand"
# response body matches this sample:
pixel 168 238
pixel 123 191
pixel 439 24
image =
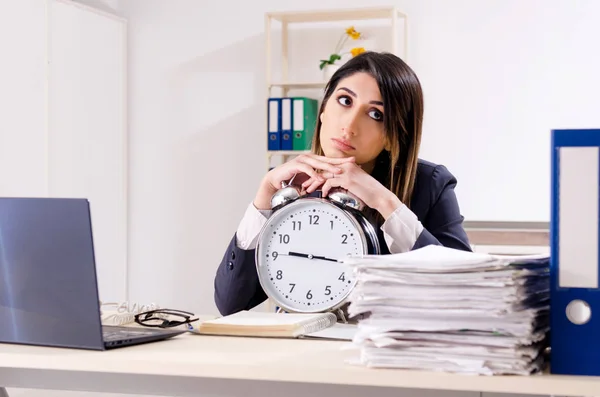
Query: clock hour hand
pixel 291 253
pixel 310 256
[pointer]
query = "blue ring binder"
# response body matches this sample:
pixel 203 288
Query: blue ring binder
pixel 574 265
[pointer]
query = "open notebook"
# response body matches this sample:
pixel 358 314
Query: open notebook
pixel 279 325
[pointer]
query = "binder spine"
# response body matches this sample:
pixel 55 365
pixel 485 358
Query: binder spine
pixel 274 123
pixel 305 112
pixel 287 114
pixel 575 263
pixel 298 124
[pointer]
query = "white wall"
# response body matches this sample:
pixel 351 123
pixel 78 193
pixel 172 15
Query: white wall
pixel 196 149
pixel 87 129
pixel 497 75
pixel 22 98
pixel 62 124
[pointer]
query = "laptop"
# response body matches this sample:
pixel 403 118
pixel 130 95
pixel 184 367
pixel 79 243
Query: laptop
pixel 48 282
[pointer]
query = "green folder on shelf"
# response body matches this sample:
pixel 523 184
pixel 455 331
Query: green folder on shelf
pixel 305 120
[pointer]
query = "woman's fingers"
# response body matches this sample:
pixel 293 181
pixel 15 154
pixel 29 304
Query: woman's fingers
pixel 319 180
pixel 319 164
pixel 331 183
pixel 314 185
pixel 307 169
pixel 300 172
pixel 324 163
pixel 311 170
pixel 300 178
pixel 336 160
pixel 326 178
pixel 329 175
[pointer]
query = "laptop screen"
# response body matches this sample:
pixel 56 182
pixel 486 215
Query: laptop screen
pixel 48 287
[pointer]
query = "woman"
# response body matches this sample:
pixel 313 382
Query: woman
pixel 367 141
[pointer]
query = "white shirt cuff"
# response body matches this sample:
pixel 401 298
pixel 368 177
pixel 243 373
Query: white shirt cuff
pixel 401 230
pixel 250 227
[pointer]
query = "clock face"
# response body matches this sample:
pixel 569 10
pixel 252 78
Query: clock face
pixel 298 252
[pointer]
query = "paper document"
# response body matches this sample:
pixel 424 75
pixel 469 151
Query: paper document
pixel 338 331
pixel 443 309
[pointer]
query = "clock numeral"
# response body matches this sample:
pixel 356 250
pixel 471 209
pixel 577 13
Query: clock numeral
pixel 313 219
pixel 344 238
pixel 291 289
pixel 274 254
pixel 342 277
pixel 308 295
pixel 331 224
pixel 328 290
pixel 284 238
pixel 279 275
pixel 299 225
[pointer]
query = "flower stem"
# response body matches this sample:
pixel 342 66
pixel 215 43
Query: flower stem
pixel 340 43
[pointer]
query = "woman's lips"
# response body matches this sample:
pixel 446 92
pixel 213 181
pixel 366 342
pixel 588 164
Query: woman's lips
pixel 342 145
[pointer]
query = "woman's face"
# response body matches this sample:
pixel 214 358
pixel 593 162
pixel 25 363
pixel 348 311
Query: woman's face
pixel 352 120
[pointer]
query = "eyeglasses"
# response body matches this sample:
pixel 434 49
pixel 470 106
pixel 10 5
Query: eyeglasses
pixel 164 318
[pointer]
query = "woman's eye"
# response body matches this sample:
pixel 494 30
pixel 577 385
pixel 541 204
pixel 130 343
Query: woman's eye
pixel 344 101
pixel 376 115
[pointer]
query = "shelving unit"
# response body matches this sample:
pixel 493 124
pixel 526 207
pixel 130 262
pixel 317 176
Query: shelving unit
pixel 312 16
pixel 308 16
pixel 306 85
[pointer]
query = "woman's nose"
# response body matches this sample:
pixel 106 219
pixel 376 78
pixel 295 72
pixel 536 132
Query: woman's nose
pixel 350 126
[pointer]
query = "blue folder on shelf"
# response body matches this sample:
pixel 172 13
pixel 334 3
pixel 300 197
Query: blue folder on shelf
pixel 274 123
pixel 287 132
pixel 575 238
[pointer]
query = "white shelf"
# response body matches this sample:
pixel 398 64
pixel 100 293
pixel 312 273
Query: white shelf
pixel 302 85
pixel 286 152
pixel 336 15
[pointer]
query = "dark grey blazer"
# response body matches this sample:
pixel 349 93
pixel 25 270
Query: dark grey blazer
pixel 433 202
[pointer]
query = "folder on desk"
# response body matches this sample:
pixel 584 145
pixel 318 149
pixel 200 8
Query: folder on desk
pixel 305 112
pixel 575 292
pixel 274 123
pixel 274 325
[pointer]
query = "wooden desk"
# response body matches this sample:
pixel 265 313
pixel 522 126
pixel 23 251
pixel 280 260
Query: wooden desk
pixel 188 364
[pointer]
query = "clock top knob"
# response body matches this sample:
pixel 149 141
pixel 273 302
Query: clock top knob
pixel 345 198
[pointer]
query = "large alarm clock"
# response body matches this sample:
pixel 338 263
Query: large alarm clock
pixel 301 247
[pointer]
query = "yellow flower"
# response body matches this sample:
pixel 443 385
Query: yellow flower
pixel 356 51
pixel 353 33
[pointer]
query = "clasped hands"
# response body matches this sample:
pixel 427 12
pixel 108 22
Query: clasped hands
pixel 313 172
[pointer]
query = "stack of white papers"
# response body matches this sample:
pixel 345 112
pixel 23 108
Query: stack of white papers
pixel 442 309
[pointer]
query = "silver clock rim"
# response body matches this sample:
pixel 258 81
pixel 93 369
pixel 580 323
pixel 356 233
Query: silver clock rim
pixel 371 233
pixel 366 232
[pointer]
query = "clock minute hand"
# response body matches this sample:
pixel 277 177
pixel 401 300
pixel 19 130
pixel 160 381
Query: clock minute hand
pixel 310 256
pixel 325 258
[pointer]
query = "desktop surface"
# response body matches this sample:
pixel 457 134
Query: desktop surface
pixel 190 359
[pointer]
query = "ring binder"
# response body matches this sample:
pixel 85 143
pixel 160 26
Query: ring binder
pixel 575 293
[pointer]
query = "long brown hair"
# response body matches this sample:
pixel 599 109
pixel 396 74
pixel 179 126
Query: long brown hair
pixel 402 98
